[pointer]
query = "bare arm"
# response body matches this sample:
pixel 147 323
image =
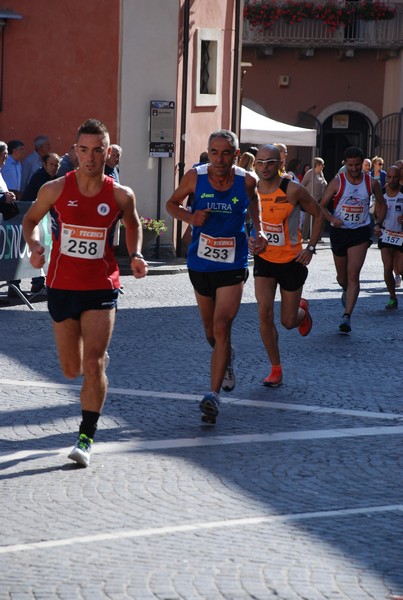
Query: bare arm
pixel 380 202
pixel 126 201
pixel 47 196
pixel 298 193
pixel 175 205
pixel 328 195
pixel 255 212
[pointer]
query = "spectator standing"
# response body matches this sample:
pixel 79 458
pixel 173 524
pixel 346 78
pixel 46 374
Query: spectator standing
pixel 203 159
pixel 377 172
pixel 252 150
pixel 247 162
pixel 48 171
pixel 12 168
pixel 294 169
pixel 380 175
pixel 50 165
pixel 33 162
pixel 315 182
pixel 399 164
pixel 366 165
pixel 7 196
pixel 112 162
pixel 282 148
pixel 68 162
pixel 305 169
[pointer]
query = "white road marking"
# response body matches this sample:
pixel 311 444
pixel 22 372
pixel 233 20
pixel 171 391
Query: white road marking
pixel 224 400
pixel 201 441
pixel 197 527
pixel 217 440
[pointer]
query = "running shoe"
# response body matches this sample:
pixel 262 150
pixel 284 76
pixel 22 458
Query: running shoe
pixel 209 406
pixel 391 304
pixel 274 379
pixel 229 380
pixel 398 281
pixel 345 326
pixel 81 451
pixel 306 324
pixel 343 299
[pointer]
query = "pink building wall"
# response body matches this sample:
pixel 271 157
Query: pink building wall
pixel 201 121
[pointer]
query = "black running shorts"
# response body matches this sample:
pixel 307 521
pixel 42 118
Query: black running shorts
pixel 69 304
pixel 290 275
pixel 382 244
pixel 206 283
pixel 343 239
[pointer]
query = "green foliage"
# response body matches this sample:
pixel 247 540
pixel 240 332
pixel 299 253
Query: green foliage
pixel 157 226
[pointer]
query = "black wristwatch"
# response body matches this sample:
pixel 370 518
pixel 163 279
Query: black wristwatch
pixel 136 255
pixel 311 249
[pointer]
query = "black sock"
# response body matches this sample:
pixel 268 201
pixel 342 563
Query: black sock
pixel 346 315
pixel 89 423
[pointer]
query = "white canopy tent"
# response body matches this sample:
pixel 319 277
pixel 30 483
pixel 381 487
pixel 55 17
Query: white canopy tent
pixel 258 129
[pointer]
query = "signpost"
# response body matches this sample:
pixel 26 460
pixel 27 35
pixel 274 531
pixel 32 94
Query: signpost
pixel 162 128
pixel 162 120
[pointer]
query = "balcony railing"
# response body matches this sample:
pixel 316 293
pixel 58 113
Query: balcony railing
pixel 309 33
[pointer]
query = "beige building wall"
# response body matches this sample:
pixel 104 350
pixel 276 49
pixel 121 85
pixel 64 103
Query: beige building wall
pixel 149 46
pixel 152 65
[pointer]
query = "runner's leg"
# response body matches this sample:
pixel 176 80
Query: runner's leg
pixel 217 316
pixel 355 260
pixel 227 303
pixel 387 255
pixel 69 346
pixel 265 292
pixel 96 327
pixel 340 262
pixel 291 313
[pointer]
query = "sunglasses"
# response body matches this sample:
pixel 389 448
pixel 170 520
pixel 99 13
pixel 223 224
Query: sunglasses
pixel 262 163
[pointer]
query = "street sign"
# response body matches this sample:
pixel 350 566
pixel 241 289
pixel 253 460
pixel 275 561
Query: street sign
pixel 162 128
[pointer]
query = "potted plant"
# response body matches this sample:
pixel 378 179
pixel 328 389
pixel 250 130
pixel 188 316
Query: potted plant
pixel 152 228
pixel 155 226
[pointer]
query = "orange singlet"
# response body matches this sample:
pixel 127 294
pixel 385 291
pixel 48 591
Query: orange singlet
pixel 281 224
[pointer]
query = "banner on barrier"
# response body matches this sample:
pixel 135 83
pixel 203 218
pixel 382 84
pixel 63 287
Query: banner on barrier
pixel 14 252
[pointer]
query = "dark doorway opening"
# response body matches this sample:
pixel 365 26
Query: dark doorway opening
pixel 340 131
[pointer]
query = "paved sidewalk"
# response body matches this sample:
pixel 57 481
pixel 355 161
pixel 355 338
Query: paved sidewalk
pixel 296 493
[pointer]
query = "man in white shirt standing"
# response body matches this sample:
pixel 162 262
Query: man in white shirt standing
pixel 12 169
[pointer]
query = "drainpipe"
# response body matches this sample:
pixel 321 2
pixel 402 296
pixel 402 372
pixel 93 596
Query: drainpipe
pixel 185 61
pixel 235 87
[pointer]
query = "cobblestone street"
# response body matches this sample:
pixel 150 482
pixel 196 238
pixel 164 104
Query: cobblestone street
pixel 296 493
